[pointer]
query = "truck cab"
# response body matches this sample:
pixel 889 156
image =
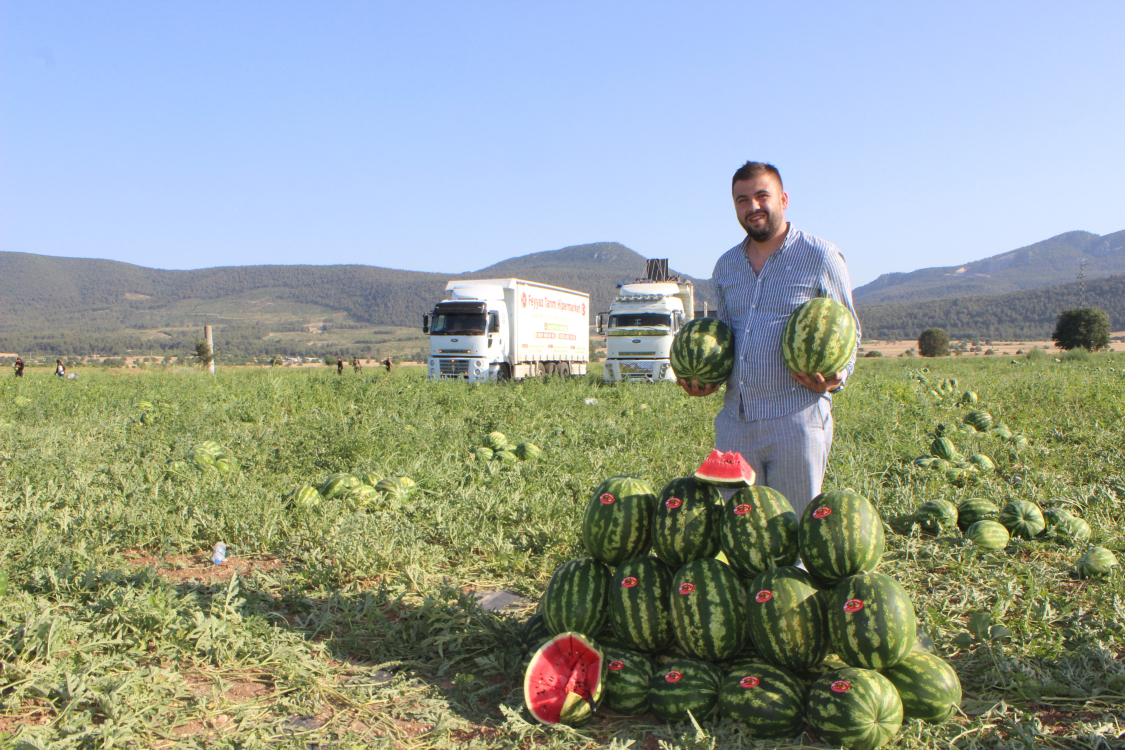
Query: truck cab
pixel 468 335
pixel 640 326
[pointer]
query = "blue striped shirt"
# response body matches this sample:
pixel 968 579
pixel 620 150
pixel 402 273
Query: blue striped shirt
pixel 756 306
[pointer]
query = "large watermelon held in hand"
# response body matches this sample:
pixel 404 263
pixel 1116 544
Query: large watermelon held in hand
pixel 857 708
pixel 769 701
pixel 841 534
pixel 682 686
pixel 640 606
pixel 564 680
pixel 617 525
pixel 728 470
pixel 758 531
pixel 872 621
pixel 703 351
pixel 788 618
pixel 820 336
pixel 927 685
pixel 685 526
pixel 709 610
pixel 577 598
pixel 627 679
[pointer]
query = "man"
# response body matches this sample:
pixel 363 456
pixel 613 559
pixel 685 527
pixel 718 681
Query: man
pixel 779 421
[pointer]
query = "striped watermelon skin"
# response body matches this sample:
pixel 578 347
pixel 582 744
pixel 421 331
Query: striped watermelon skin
pixel 627 679
pixel 577 598
pixel 943 447
pixel 820 336
pixel 617 525
pixel 857 708
pixel 759 530
pixel 703 350
pixel 988 535
pixel 768 700
pixel 640 604
pixel 338 485
pixel 1022 519
pixel 305 497
pixel 682 686
pixel 936 516
pixel 788 618
pixel 1097 562
pixel 709 610
pixel 1052 517
pixel 872 621
pixel 975 509
pixel 841 534
pixel 927 685
pixel 1072 531
pixel 685 526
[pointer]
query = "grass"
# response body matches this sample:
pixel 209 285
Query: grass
pixel 344 628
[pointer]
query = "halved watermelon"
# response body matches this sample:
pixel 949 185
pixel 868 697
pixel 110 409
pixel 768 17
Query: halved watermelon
pixel 725 470
pixel 564 680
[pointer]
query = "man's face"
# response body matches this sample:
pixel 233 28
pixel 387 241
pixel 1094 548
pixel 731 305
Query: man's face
pixel 760 204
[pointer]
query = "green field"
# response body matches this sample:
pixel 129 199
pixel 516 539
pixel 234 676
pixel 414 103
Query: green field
pixel 343 628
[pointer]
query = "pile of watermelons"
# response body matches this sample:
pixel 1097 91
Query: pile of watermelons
pixel 359 490
pixel 206 456
pixel 497 448
pixel 721 621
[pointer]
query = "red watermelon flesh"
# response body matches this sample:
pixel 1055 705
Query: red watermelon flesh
pixel 725 470
pixel 563 682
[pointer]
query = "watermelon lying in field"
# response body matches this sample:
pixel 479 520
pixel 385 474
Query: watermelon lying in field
pixel 565 680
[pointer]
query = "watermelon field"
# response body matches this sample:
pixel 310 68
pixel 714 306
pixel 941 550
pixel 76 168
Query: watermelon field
pixel 378 624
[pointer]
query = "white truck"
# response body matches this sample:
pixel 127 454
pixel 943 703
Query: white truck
pixel 641 323
pixel 500 329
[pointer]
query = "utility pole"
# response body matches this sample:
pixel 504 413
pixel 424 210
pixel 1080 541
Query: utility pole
pixel 210 349
pixel 1082 280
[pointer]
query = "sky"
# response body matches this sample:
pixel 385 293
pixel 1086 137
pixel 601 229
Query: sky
pixel 447 136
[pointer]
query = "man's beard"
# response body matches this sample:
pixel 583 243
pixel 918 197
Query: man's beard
pixel 773 224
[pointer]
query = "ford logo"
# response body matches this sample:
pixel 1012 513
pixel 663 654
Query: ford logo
pixel 453 341
pixel 636 341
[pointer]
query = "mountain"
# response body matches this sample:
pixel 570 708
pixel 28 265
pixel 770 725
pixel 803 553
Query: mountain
pixel 63 306
pixel 1017 316
pixel 1047 263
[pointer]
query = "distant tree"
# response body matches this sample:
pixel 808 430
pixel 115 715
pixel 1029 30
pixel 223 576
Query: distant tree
pixel 203 352
pixel 934 342
pixel 1085 327
pixel 329 360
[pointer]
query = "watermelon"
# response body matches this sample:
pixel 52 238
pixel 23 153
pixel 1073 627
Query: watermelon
pixel 969 398
pixel 788 618
pixel 924 462
pixel 988 535
pixel 627 679
pixel 936 516
pixel 1001 431
pixel 725 470
pixel 527 451
pixel 1052 517
pixel 617 525
pixel 361 496
pixel 684 686
pixel 857 708
pixel 767 700
pixel 371 478
pixel 176 466
pixel 495 440
pixel 482 453
pixel 685 526
pixel 758 531
pixel 337 485
pixel 709 610
pixel 703 351
pixel 841 534
pixel 979 420
pixel 939 464
pixel 820 336
pixel 1096 562
pixel 1022 519
pixel 872 621
pixel 534 632
pixel 564 680
pixel 505 457
pixel 975 509
pixel 577 597
pixel 1072 531
pixel 927 685
pixel 982 462
pixel 640 607
pixel 943 447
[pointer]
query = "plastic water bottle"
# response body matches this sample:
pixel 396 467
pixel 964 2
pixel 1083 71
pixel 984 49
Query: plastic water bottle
pixel 219 554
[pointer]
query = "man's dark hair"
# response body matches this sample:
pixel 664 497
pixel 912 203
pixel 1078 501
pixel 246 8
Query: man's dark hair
pixel 752 169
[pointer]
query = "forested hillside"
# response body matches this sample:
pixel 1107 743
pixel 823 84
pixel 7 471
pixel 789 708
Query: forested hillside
pixel 1019 316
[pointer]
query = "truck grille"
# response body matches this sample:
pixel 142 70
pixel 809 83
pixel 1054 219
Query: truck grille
pixel 454 367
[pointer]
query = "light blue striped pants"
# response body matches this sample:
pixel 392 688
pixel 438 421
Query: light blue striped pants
pixel 789 453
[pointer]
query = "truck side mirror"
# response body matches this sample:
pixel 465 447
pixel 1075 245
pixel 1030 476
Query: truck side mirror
pixel 598 325
pixel 679 320
pixel 426 323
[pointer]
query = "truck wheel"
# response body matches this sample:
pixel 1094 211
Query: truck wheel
pixel 548 369
pixel 504 372
pixel 563 369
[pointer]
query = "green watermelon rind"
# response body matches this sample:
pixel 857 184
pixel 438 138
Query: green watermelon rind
pixel 758 531
pixel 1022 519
pixel 927 686
pixel 819 336
pixel 577 598
pixel 640 607
pixel 617 524
pixel 857 708
pixel 696 690
pixel 975 509
pixel 1096 562
pixel 703 350
pixel 988 535
pixel 840 535
pixel 709 610
pixel 872 621
pixel 768 700
pixel 686 521
pixel 628 676
pixel 788 618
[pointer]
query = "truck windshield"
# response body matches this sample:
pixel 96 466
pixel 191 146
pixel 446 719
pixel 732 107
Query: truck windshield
pixel 639 320
pixel 458 324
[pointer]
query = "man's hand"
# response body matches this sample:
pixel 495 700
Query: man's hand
pixel 695 389
pixel 817 382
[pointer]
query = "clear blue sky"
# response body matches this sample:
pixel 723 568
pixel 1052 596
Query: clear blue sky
pixel 446 136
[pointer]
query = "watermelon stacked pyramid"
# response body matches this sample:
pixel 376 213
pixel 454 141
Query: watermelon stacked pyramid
pixel 721 621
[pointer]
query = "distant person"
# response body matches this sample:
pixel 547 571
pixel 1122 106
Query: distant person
pixel 356 366
pixel 340 366
pixel 387 363
pixel 59 369
pixel 18 367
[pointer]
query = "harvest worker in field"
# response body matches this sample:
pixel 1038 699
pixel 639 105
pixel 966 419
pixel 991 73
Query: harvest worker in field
pixel 781 422
pixel 18 367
